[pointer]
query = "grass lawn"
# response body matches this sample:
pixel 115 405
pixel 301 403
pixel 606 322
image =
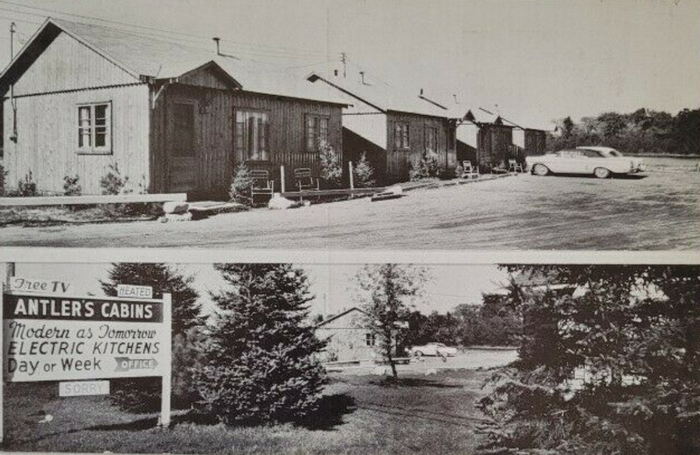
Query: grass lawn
pixel 359 415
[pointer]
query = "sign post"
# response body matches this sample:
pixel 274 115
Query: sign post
pixel 167 353
pixel 49 337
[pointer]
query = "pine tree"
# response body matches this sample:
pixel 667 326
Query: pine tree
pixel 143 394
pixel 262 363
pixel 163 279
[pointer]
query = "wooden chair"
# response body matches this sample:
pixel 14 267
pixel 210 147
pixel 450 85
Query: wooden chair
pixel 261 185
pixel 304 180
pixel 468 170
pixel 514 166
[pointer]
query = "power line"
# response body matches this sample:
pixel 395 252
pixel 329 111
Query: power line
pixel 261 47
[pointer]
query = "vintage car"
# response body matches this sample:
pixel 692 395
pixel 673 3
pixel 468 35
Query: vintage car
pixel 599 161
pixel 436 349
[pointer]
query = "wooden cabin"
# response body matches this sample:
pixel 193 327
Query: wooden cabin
pixel 535 141
pixel 392 128
pixel 346 338
pixel 80 98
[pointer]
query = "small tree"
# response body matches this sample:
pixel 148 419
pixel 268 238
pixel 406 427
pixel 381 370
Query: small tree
pixel 425 167
pixel 384 295
pixel 363 172
pixel 143 394
pixel 331 167
pixel 27 187
pixel 113 182
pixel 240 186
pixel 262 360
pixel 71 187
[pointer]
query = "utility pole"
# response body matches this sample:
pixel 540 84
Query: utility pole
pixel 13 136
pixel 344 60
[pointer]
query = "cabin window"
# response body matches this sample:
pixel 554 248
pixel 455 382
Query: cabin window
pixel 252 134
pixel 183 129
pixel 95 128
pixel 316 127
pixel 370 339
pixel 430 140
pixel 401 136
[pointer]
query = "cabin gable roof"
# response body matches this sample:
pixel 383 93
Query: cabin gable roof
pixel 146 58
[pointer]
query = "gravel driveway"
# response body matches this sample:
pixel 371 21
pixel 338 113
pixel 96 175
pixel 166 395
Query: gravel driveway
pixel 658 212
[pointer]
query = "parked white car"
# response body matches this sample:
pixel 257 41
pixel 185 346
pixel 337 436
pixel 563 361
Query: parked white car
pixel 599 161
pixel 436 349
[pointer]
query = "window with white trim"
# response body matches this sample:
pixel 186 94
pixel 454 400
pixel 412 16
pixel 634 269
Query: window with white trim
pixel 95 128
pixel 252 134
pixel 316 127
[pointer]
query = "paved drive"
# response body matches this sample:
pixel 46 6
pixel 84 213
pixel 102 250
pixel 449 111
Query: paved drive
pixel 523 212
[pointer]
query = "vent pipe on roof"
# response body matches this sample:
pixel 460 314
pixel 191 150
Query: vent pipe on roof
pixel 362 77
pixel 421 92
pixel 335 73
pixel 217 40
pixel 454 95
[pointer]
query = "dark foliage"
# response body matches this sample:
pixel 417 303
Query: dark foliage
pixel 609 363
pixel 262 356
pixel 143 394
pixel 71 187
pixel 642 131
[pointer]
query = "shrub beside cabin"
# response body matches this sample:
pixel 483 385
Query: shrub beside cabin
pixel 78 98
pixel 391 128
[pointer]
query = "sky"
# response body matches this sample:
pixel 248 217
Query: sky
pixel 332 286
pixel 532 61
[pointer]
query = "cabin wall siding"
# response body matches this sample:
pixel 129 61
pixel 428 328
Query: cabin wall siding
pixel 47 138
pixel 214 135
pixel 535 142
pixel 67 64
pixel 398 161
pixel 493 145
pixel 346 339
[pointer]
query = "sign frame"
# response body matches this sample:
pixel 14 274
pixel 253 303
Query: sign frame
pixel 165 354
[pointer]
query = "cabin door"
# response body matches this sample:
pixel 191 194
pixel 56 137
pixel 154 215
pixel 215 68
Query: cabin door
pixel 183 164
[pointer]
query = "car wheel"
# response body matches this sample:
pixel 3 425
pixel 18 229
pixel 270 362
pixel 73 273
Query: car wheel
pixel 601 173
pixel 540 169
pixel 418 354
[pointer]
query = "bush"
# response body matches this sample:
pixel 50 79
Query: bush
pixel 113 182
pixel 71 187
pixel 331 167
pixel 362 173
pixel 240 186
pixel 27 187
pixel 425 167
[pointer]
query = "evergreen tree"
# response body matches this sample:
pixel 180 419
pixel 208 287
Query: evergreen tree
pixel 163 279
pixel 143 394
pixel 261 360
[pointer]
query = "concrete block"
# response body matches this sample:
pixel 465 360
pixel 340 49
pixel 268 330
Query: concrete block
pixel 278 202
pixel 176 207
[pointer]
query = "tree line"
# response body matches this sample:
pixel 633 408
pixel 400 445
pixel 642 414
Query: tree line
pixel 643 131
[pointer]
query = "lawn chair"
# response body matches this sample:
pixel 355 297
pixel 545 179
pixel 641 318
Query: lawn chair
pixel 304 180
pixel 261 185
pixel 468 170
pixel 514 166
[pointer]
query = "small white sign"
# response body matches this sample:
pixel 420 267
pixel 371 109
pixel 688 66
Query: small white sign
pixel 134 292
pixel 83 388
pixel 23 284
